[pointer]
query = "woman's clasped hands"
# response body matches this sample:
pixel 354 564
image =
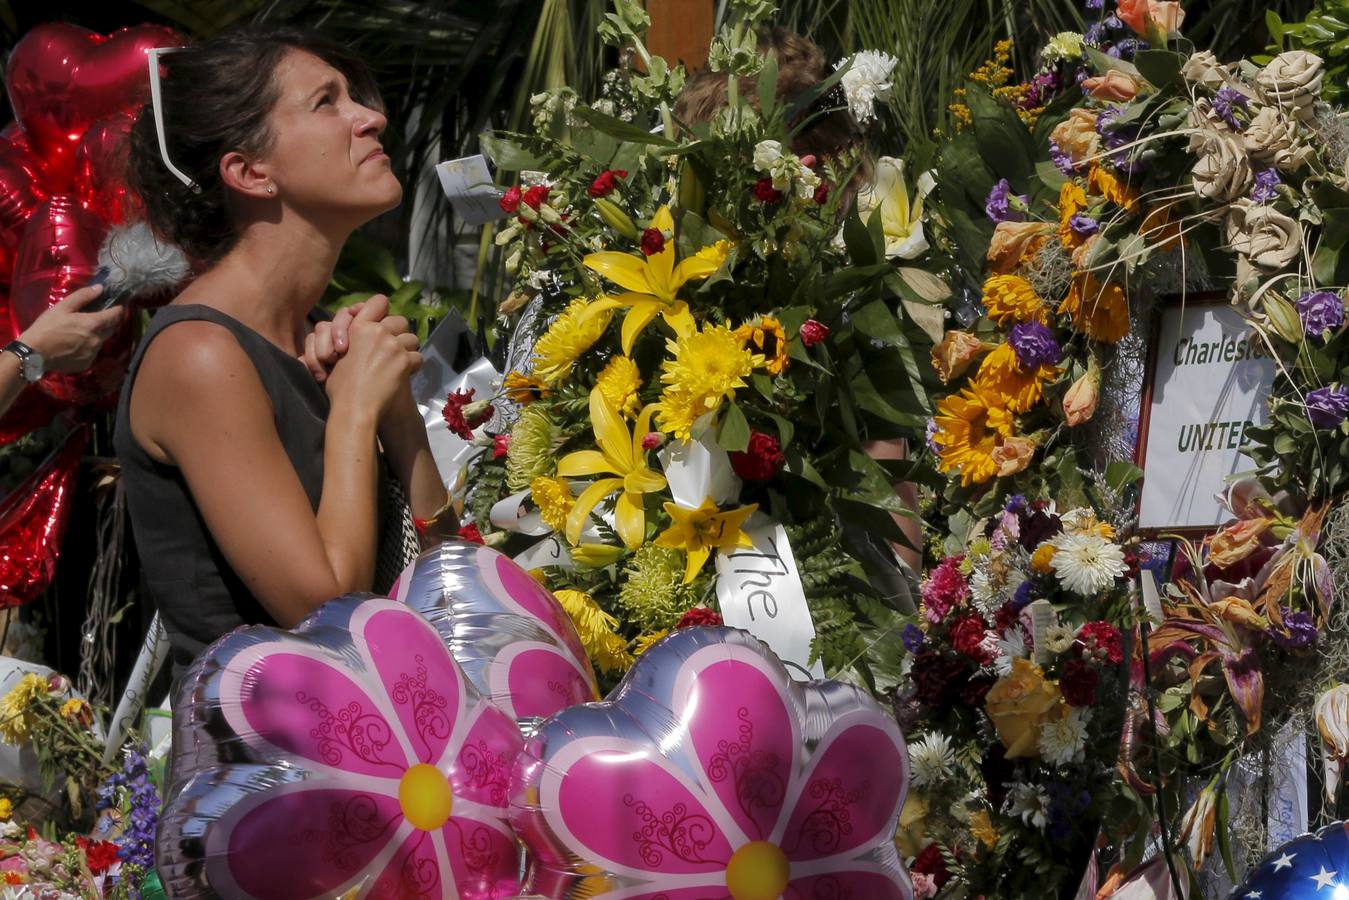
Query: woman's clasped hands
pixel 364 355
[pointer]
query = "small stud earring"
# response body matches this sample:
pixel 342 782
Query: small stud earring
pixel 269 188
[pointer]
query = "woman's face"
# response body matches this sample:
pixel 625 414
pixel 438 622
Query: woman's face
pixel 326 158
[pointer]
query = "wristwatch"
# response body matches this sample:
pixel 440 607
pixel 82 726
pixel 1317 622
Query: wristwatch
pixel 31 363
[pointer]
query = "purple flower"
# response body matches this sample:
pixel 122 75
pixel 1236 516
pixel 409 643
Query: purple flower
pixel 1300 627
pixel 133 788
pixel 1320 311
pixel 1266 188
pixel 1083 226
pixel 1034 345
pixel 1327 407
pixel 1126 48
pixel 1004 206
pixel 929 433
pixel 1225 104
pixel 912 637
pixel 1022 598
pixel 1062 161
pixel 1092 38
pixel 1015 504
pixel 1094 4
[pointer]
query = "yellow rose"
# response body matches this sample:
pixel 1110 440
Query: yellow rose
pixel 1076 135
pixel 1012 242
pixel 1019 704
pixel 912 835
pixel 955 353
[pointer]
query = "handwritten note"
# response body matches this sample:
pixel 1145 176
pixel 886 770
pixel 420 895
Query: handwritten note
pixel 467 182
pixel 760 590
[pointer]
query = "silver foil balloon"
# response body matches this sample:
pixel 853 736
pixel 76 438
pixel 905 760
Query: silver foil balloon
pixel 349 758
pixel 511 636
pixel 710 772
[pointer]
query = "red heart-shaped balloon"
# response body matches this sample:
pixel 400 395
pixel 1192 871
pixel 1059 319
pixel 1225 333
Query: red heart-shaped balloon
pixel 62 78
pixel 21 178
pixel 100 168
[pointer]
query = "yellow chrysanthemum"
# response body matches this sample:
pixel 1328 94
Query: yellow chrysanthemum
pixel 16 721
pixel 981 826
pixel 707 368
pixel 766 338
pixel 1041 561
pixel 645 642
pixel 596 627
pixel 1104 182
pixel 619 381
pixel 1010 298
pixel 524 389
pixel 1098 310
pixel 1072 200
pixel 72 708
pixel 6 809
pixel 554 499
pixel 970 426
pixel 571 334
pixel 1018 389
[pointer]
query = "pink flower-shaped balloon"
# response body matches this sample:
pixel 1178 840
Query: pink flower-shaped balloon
pixel 352 754
pixel 508 633
pixel 712 774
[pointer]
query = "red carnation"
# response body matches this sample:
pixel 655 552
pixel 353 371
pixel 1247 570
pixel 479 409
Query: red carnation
pixel 762 460
pixel 765 192
pixel 510 201
pixel 699 616
pixel 455 405
pixel 968 638
pixel 812 332
pixel 100 855
pixel 652 439
pixel 653 241
pixel 501 445
pixel 470 533
pixel 536 196
pixel 1078 683
pixel 1006 618
pixel 822 193
pixel 1100 641
pixel 931 862
pixel 605 183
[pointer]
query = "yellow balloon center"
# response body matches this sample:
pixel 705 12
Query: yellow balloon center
pixel 424 794
pixel 758 871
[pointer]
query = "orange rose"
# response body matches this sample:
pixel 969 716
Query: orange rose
pixel 955 353
pixel 1113 85
pixel 1155 20
pixel 1166 16
pixel 1019 704
pixel 1079 404
pixel 1013 455
pixel 1076 135
pixel 1133 13
pixel 1012 241
pixel 1082 254
pixel 1237 541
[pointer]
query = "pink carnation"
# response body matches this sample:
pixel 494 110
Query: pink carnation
pixel 944 588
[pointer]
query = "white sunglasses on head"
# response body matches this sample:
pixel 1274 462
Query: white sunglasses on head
pixel 157 105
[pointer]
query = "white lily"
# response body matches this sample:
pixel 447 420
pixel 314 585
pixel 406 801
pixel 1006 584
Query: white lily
pixel 1332 720
pixel 901 218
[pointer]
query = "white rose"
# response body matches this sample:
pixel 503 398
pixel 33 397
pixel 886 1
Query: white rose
pixel 765 154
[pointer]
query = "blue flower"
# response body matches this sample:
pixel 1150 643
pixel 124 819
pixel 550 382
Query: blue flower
pixel 1003 205
pixel 1321 312
pixel 1022 598
pixel 1083 226
pixel 1034 345
pixel 1327 407
pixel 1225 104
pixel 1301 629
pixel 1062 161
pixel 1266 188
pixel 912 638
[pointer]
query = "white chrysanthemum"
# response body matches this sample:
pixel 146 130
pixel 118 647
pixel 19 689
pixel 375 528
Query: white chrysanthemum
pixel 931 759
pixel 1059 638
pixel 1012 645
pixel 1063 741
pixel 1087 564
pixel 765 154
pixel 984 591
pixel 1064 46
pixel 866 81
pixel 1029 802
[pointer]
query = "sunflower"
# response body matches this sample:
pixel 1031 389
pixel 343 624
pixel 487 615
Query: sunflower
pixel 1001 375
pixel 970 426
pixel 1098 310
pixel 554 499
pixel 1011 298
pixel 571 334
pixel 524 389
pixel 766 337
pixel 1072 200
pixel 708 367
pixel 1103 182
pixel 619 381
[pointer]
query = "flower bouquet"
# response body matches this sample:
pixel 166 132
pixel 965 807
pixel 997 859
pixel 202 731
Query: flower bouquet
pixel 728 327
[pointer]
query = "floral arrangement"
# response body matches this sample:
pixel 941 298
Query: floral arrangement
pixel 1014 707
pixel 729 324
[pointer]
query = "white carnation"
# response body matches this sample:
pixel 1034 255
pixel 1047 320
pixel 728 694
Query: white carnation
pixel 766 153
pixel 866 81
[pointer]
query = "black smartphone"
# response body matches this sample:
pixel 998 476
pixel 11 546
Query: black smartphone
pixel 109 298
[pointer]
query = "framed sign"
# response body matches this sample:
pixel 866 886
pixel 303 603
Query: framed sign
pixel 1208 379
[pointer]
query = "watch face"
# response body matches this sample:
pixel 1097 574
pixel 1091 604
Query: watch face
pixel 32 366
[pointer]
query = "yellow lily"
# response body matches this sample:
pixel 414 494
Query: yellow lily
pixel 700 531
pixel 901 219
pixel 651 283
pixel 621 454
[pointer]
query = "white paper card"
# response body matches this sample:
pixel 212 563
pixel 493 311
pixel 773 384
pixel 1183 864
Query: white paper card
pixel 510 514
pixel 760 590
pixel 468 184
pixel 550 551
pixel 1211 382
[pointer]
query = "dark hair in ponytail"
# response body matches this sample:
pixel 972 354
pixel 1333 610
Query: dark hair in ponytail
pixel 215 98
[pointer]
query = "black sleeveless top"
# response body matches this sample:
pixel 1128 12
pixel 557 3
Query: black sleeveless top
pixel 198 596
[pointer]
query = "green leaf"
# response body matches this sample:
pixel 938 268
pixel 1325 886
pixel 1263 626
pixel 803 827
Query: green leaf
pixel 624 131
pixel 1002 138
pixel 1329 265
pixel 1274 25
pixel 734 433
pixel 875 320
pixel 1050 175
pixel 1120 474
pixel 1221 824
pixel 1160 67
pixel 786 430
pixel 768 83
pixel 506 154
pixel 855 237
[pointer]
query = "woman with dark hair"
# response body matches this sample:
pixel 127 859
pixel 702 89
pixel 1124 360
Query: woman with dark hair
pixel 254 486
